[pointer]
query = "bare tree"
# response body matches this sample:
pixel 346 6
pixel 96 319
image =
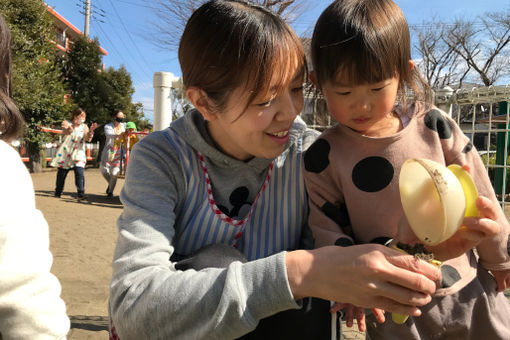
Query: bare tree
pixel 439 63
pixel 484 48
pixel 466 49
pixel 173 15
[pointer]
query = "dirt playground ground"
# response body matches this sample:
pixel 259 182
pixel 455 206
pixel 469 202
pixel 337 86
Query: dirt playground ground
pixel 82 240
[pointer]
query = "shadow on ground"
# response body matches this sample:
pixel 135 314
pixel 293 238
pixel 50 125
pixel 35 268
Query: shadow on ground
pixel 89 323
pixel 97 200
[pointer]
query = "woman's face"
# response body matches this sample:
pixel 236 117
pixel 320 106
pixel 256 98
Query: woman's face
pixel 119 117
pixel 260 129
pixel 80 119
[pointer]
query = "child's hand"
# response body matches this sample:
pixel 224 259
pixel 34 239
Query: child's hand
pixel 502 279
pixel 65 124
pixel 352 311
pixel 473 231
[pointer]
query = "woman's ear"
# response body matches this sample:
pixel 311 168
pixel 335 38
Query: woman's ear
pixel 201 102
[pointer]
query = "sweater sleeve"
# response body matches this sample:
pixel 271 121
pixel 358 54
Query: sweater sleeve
pixel 30 303
pixel 149 298
pixel 329 219
pixel 494 252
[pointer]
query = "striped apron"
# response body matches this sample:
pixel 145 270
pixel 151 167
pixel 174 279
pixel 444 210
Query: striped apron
pixel 273 224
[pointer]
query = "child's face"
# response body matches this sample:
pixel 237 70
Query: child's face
pixel 365 108
pixel 262 130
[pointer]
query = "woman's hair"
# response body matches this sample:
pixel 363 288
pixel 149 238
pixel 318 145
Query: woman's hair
pixel 230 43
pixel 367 41
pixel 76 112
pixel 11 120
pixel 115 113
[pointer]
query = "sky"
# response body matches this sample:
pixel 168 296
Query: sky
pixel 125 29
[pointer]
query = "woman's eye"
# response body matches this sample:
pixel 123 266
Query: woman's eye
pixel 266 104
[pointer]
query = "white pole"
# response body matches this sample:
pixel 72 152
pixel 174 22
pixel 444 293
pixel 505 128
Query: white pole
pixel 87 18
pixel 162 99
pixel 444 99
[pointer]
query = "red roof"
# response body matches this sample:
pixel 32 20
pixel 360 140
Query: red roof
pixel 68 24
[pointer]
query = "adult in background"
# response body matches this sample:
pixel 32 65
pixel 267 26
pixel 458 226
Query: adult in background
pixel 72 154
pixel 30 303
pixel 110 168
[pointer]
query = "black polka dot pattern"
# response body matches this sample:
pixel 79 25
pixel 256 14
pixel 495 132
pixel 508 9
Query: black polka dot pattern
pixel 317 156
pixel 449 275
pixel 468 147
pixel 383 240
pixel 372 174
pixel 343 242
pixel 339 215
pixel 434 120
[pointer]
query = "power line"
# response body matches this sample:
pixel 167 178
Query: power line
pixel 127 52
pixel 136 4
pixel 117 51
pixel 130 37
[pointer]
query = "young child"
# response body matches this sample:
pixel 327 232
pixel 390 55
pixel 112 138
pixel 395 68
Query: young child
pixel 362 65
pixel 130 135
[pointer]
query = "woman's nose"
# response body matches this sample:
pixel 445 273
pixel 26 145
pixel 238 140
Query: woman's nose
pixel 290 106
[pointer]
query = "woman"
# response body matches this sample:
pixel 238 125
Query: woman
pixel 228 173
pixel 111 157
pixel 30 303
pixel 72 154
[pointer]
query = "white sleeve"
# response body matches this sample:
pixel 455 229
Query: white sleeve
pixel 30 303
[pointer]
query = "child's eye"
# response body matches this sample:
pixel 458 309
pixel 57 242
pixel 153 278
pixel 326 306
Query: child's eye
pixel 297 89
pixel 379 88
pixel 345 93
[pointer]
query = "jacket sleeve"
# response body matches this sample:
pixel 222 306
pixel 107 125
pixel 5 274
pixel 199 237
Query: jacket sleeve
pixel 149 298
pixel 493 252
pixel 30 302
pixel 329 219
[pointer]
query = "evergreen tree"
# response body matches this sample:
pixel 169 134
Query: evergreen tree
pixel 37 85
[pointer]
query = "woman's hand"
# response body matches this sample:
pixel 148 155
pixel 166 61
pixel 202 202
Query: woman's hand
pixel 473 231
pixel 368 276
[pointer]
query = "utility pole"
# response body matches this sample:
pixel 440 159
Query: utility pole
pixel 87 17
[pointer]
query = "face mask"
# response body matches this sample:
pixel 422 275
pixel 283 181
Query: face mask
pixel 82 121
pixel 120 120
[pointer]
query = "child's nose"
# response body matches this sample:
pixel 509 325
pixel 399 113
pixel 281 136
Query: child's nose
pixel 364 105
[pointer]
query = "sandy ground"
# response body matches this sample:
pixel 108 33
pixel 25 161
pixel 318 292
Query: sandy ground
pixel 82 240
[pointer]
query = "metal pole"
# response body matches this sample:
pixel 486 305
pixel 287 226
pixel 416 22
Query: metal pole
pixel 162 99
pixel 87 17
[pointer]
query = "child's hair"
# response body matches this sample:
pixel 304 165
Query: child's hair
pixel 11 120
pixel 367 41
pixel 230 43
pixel 76 112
